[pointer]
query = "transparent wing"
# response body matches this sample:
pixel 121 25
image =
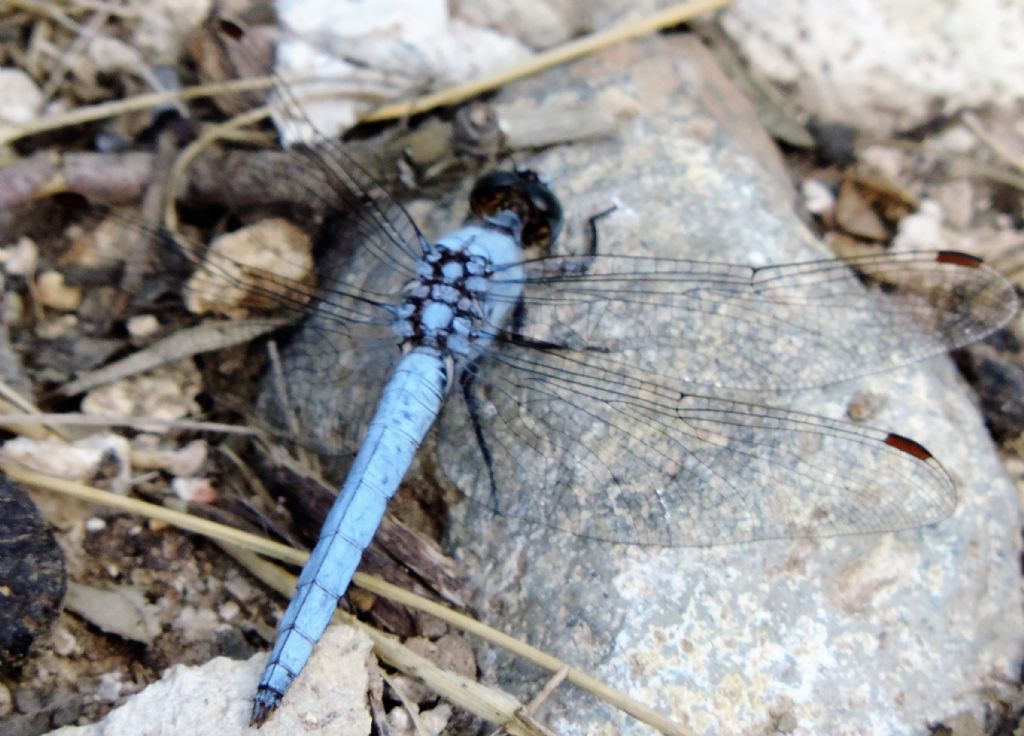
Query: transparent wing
pixel 332 422
pixel 771 328
pixel 326 178
pixel 380 225
pixel 334 195
pixel 366 251
pixel 346 340
pixel 566 439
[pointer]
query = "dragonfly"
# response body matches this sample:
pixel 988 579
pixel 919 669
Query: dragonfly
pixel 527 364
pixel 596 393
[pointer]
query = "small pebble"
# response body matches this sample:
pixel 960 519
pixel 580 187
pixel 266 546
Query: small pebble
pixel 436 719
pixel 81 460
pixel 886 161
pixel 198 490
pixel 399 721
pixel 64 642
pixel 94 525
pixel 786 723
pixel 52 292
pixel 818 198
pixel 229 611
pixel 6 701
pixel 432 627
pixel 240 588
pixel 110 687
pixel 254 267
pixel 922 230
pixel 21 258
pixel 143 325
pixel 20 97
pixel 454 653
pixel 148 454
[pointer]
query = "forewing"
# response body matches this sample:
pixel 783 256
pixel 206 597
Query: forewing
pixel 323 175
pixel 771 328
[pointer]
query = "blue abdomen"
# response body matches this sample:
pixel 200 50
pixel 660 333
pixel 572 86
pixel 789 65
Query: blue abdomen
pixel 407 409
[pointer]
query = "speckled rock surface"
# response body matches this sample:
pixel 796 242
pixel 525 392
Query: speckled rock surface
pixel 216 697
pixel 883 65
pixel 854 635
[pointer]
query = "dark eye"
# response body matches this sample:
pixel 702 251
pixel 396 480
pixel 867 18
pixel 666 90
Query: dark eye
pixel 525 194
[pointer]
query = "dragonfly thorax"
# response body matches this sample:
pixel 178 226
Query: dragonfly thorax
pixel 446 305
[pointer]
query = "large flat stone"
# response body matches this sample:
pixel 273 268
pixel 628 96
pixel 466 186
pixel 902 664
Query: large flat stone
pixel 859 635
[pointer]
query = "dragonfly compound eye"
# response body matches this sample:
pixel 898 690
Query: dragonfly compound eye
pixel 523 193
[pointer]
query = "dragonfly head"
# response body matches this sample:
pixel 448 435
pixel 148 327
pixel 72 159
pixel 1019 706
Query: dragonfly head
pixel 523 193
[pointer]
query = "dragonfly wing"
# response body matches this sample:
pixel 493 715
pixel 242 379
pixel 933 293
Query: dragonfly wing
pixel 329 190
pixel 566 439
pixel 372 218
pixel 772 328
pixel 330 422
pixel 346 341
pixel 322 174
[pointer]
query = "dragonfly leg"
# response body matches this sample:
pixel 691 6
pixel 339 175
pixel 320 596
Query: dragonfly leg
pixel 473 411
pixel 592 228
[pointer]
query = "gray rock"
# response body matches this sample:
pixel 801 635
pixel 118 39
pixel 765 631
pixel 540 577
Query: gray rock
pixel 870 634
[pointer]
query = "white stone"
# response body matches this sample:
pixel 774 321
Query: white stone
pixel 885 64
pixel 329 697
pixel 166 392
pixel 198 490
pixel 20 97
pixel 923 229
pixel 818 198
pixel 407 48
pixel 143 325
pixel 21 258
pixel 79 460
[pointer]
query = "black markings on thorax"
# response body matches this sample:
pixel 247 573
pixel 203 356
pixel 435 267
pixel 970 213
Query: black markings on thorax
pixel 444 281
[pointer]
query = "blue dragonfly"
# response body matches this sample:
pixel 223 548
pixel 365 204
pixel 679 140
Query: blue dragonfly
pixel 528 363
pixel 538 371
